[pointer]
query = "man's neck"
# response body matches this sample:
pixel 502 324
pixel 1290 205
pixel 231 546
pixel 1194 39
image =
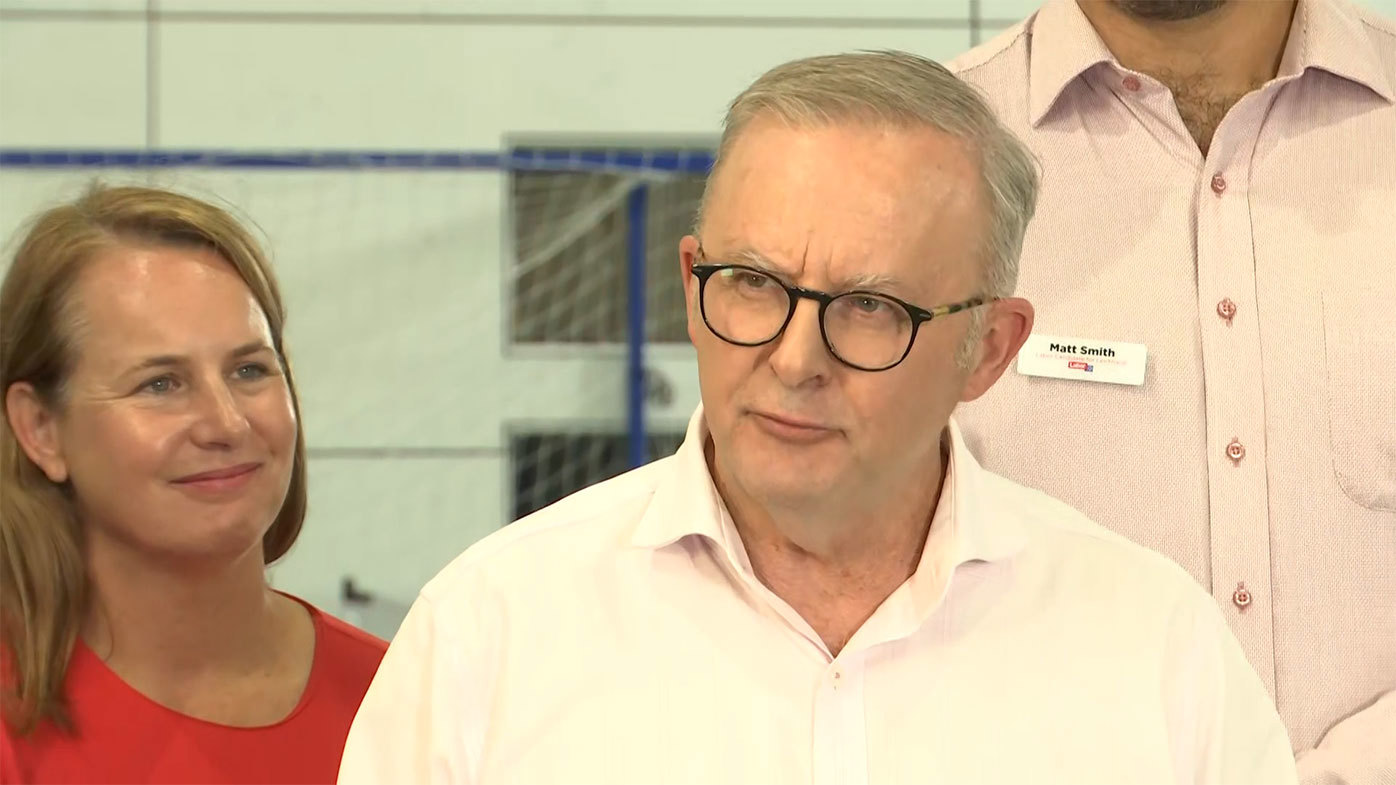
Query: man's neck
pixel 1209 62
pixel 836 563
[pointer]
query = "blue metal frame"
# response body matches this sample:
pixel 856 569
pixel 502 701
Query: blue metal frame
pixel 519 158
pixel 637 254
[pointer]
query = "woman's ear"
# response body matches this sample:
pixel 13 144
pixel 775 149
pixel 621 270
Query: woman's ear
pixel 35 426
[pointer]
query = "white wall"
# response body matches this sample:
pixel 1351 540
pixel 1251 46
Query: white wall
pixel 408 362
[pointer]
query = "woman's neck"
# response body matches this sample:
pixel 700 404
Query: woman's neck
pixel 160 616
pixel 211 641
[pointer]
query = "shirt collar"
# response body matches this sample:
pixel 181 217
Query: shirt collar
pixel 1325 35
pixel 964 526
pixel 1063 45
pixel 1329 35
pixel 685 501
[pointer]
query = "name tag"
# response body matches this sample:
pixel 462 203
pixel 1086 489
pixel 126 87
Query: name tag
pixel 1084 359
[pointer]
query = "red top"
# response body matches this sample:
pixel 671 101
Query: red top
pixel 124 737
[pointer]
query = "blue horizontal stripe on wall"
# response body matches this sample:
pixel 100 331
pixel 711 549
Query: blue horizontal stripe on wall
pixel 696 162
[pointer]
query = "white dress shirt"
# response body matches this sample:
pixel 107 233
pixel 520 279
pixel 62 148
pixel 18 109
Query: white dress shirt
pixel 620 636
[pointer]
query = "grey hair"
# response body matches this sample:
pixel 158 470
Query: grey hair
pixel 905 90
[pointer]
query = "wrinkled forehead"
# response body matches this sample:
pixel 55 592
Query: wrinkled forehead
pixel 850 202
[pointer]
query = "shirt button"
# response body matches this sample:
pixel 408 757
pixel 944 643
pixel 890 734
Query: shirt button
pixel 1131 83
pixel 1235 451
pixel 1226 309
pixel 1242 596
pixel 1218 184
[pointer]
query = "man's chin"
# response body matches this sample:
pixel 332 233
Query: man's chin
pixel 1168 10
pixel 790 486
pixel 782 474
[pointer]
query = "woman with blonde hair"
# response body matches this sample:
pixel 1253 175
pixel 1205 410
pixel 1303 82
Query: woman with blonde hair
pixel 152 463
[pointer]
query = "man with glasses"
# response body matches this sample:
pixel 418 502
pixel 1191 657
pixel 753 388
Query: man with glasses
pixel 822 585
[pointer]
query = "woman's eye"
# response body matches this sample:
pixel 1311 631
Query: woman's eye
pixel 159 385
pixel 252 371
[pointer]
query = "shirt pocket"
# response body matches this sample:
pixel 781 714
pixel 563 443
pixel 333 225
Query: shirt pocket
pixel 1359 340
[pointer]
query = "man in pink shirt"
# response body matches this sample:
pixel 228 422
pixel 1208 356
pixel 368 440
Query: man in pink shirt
pixel 821 585
pixel 1213 367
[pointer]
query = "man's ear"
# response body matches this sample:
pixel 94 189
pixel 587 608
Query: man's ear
pixel 688 254
pixel 1007 327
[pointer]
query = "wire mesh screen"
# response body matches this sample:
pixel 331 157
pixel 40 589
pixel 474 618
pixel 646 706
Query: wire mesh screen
pixel 570 261
pixel 550 466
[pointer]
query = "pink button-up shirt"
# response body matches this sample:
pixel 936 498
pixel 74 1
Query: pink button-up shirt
pixel 621 636
pixel 1260 450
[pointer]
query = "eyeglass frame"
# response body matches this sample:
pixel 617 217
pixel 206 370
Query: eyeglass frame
pixel 918 315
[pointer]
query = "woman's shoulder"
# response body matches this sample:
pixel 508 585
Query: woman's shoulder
pixel 348 640
pixel 348 652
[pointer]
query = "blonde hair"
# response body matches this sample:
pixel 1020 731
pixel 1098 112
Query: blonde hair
pixel 42 577
pixel 906 91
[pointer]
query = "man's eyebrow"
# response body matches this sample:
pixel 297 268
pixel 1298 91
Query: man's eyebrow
pixel 754 258
pixel 871 281
pixel 867 281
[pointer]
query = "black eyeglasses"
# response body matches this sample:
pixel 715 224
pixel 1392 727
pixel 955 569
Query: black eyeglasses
pixel 869 331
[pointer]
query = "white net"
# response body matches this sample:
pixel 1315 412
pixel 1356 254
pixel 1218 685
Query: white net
pixel 573 237
pixel 572 255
